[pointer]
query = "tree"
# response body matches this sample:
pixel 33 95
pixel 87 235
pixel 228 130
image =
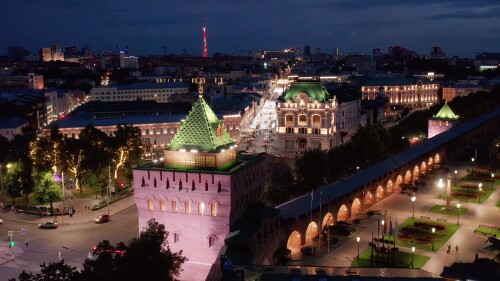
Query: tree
pixel 47 190
pixel 73 158
pixel 54 271
pixel 279 186
pixel 126 146
pixel 18 181
pixel 145 258
pixel 97 149
pixel 311 169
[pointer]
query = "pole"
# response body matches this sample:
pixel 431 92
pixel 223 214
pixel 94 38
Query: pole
pixel 358 247
pixel 319 220
pixel 109 181
pixel 64 197
pixel 1 179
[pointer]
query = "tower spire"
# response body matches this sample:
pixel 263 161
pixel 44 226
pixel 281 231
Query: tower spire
pixel 205 47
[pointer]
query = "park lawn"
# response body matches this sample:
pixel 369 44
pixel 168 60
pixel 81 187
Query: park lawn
pixel 87 192
pixel 441 236
pixel 487 231
pixel 402 259
pixel 440 209
pixel 484 194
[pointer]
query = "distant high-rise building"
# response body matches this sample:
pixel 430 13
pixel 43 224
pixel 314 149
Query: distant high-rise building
pixel 437 52
pixel 53 53
pixel 317 51
pixel 16 54
pixel 205 47
pixel 307 50
pixel 400 53
pixel 376 52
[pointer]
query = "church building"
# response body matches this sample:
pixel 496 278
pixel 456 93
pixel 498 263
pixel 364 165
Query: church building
pixel 444 120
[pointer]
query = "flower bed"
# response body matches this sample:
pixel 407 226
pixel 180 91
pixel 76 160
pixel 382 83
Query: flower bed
pixel 429 225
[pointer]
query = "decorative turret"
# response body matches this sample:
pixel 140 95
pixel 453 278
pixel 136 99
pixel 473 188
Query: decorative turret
pixel 444 120
pixel 202 141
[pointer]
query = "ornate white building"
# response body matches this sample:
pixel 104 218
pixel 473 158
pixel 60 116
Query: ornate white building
pixel 306 118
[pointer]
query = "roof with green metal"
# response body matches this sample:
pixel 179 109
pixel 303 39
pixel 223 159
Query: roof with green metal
pixel 313 89
pixel 199 131
pixel 445 113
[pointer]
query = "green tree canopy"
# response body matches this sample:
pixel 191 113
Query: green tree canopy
pixel 47 190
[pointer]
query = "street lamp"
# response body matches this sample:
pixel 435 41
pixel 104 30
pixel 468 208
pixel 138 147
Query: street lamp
pixel 472 164
pixel 357 239
pixel 458 213
pixel 480 185
pixel 383 233
pixel 456 172
pixel 412 256
pixel 440 186
pixel 492 180
pixel 413 199
pixel 433 230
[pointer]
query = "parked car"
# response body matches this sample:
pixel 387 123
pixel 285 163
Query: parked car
pixel 102 218
pixel 48 225
pixel 97 250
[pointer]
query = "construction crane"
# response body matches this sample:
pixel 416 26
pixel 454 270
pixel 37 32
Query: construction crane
pixel 164 50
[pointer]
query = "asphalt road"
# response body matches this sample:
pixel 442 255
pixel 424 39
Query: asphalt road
pixel 74 241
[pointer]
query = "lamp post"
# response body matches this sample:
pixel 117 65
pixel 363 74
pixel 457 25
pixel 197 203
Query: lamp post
pixel 357 239
pixel 413 199
pixel 440 186
pixel 383 233
pixel 433 230
pixel 458 213
pixel 472 164
pixel 456 172
pixel 480 188
pixel 492 180
pixel 412 256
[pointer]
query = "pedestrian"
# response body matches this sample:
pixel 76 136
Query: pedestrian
pixel 60 255
pixel 27 244
pixel 90 255
pixel 449 249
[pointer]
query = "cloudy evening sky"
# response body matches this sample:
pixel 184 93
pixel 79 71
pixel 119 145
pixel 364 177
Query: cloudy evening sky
pixel 462 27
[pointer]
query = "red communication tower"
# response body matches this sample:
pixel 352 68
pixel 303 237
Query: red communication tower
pixel 205 47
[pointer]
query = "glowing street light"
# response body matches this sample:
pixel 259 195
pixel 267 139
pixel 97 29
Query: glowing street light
pixel 493 180
pixel 412 256
pixel 357 239
pixel 472 164
pixel 458 213
pixel 480 188
pixel 433 230
pixel 413 199
pixel 440 186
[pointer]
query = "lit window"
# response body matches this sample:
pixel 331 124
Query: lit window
pixel 213 209
pixel 150 203
pixel 201 208
pixel 187 207
pixel 302 120
pixel 174 206
pixel 163 205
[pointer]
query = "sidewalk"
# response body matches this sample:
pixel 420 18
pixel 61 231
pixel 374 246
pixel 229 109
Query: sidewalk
pixel 82 214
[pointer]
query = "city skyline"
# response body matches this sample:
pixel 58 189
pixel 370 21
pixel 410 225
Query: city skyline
pixel 462 27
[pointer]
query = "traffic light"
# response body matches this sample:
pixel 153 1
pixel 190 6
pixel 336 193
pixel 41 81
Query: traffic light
pixel 121 184
pixel 12 244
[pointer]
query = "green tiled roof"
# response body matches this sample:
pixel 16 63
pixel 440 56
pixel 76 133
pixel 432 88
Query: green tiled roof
pixel 315 90
pixel 446 113
pixel 199 131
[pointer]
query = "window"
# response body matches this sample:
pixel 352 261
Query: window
pixel 187 207
pixel 302 130
pixel 211 241
pixel 163 205
pixel 289 144
pixel 302 120
pixel 315 144
pixel 316 131
pixel 289 130
pixel 174 206
pixel 176 238
pixel 289 120
pixel 213 209
pixel 147 131
pixel 316 121
pixel 201 208
pixel 150 203
pixel 161 131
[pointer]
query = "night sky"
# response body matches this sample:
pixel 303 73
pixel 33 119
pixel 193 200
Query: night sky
pixel 462 27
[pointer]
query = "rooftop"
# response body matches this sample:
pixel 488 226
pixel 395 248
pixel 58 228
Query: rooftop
pixel 145 85
pixel 313 89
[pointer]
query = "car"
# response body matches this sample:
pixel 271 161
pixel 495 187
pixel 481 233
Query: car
pixel 102 218
pixel 96 249
pixel 48 225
